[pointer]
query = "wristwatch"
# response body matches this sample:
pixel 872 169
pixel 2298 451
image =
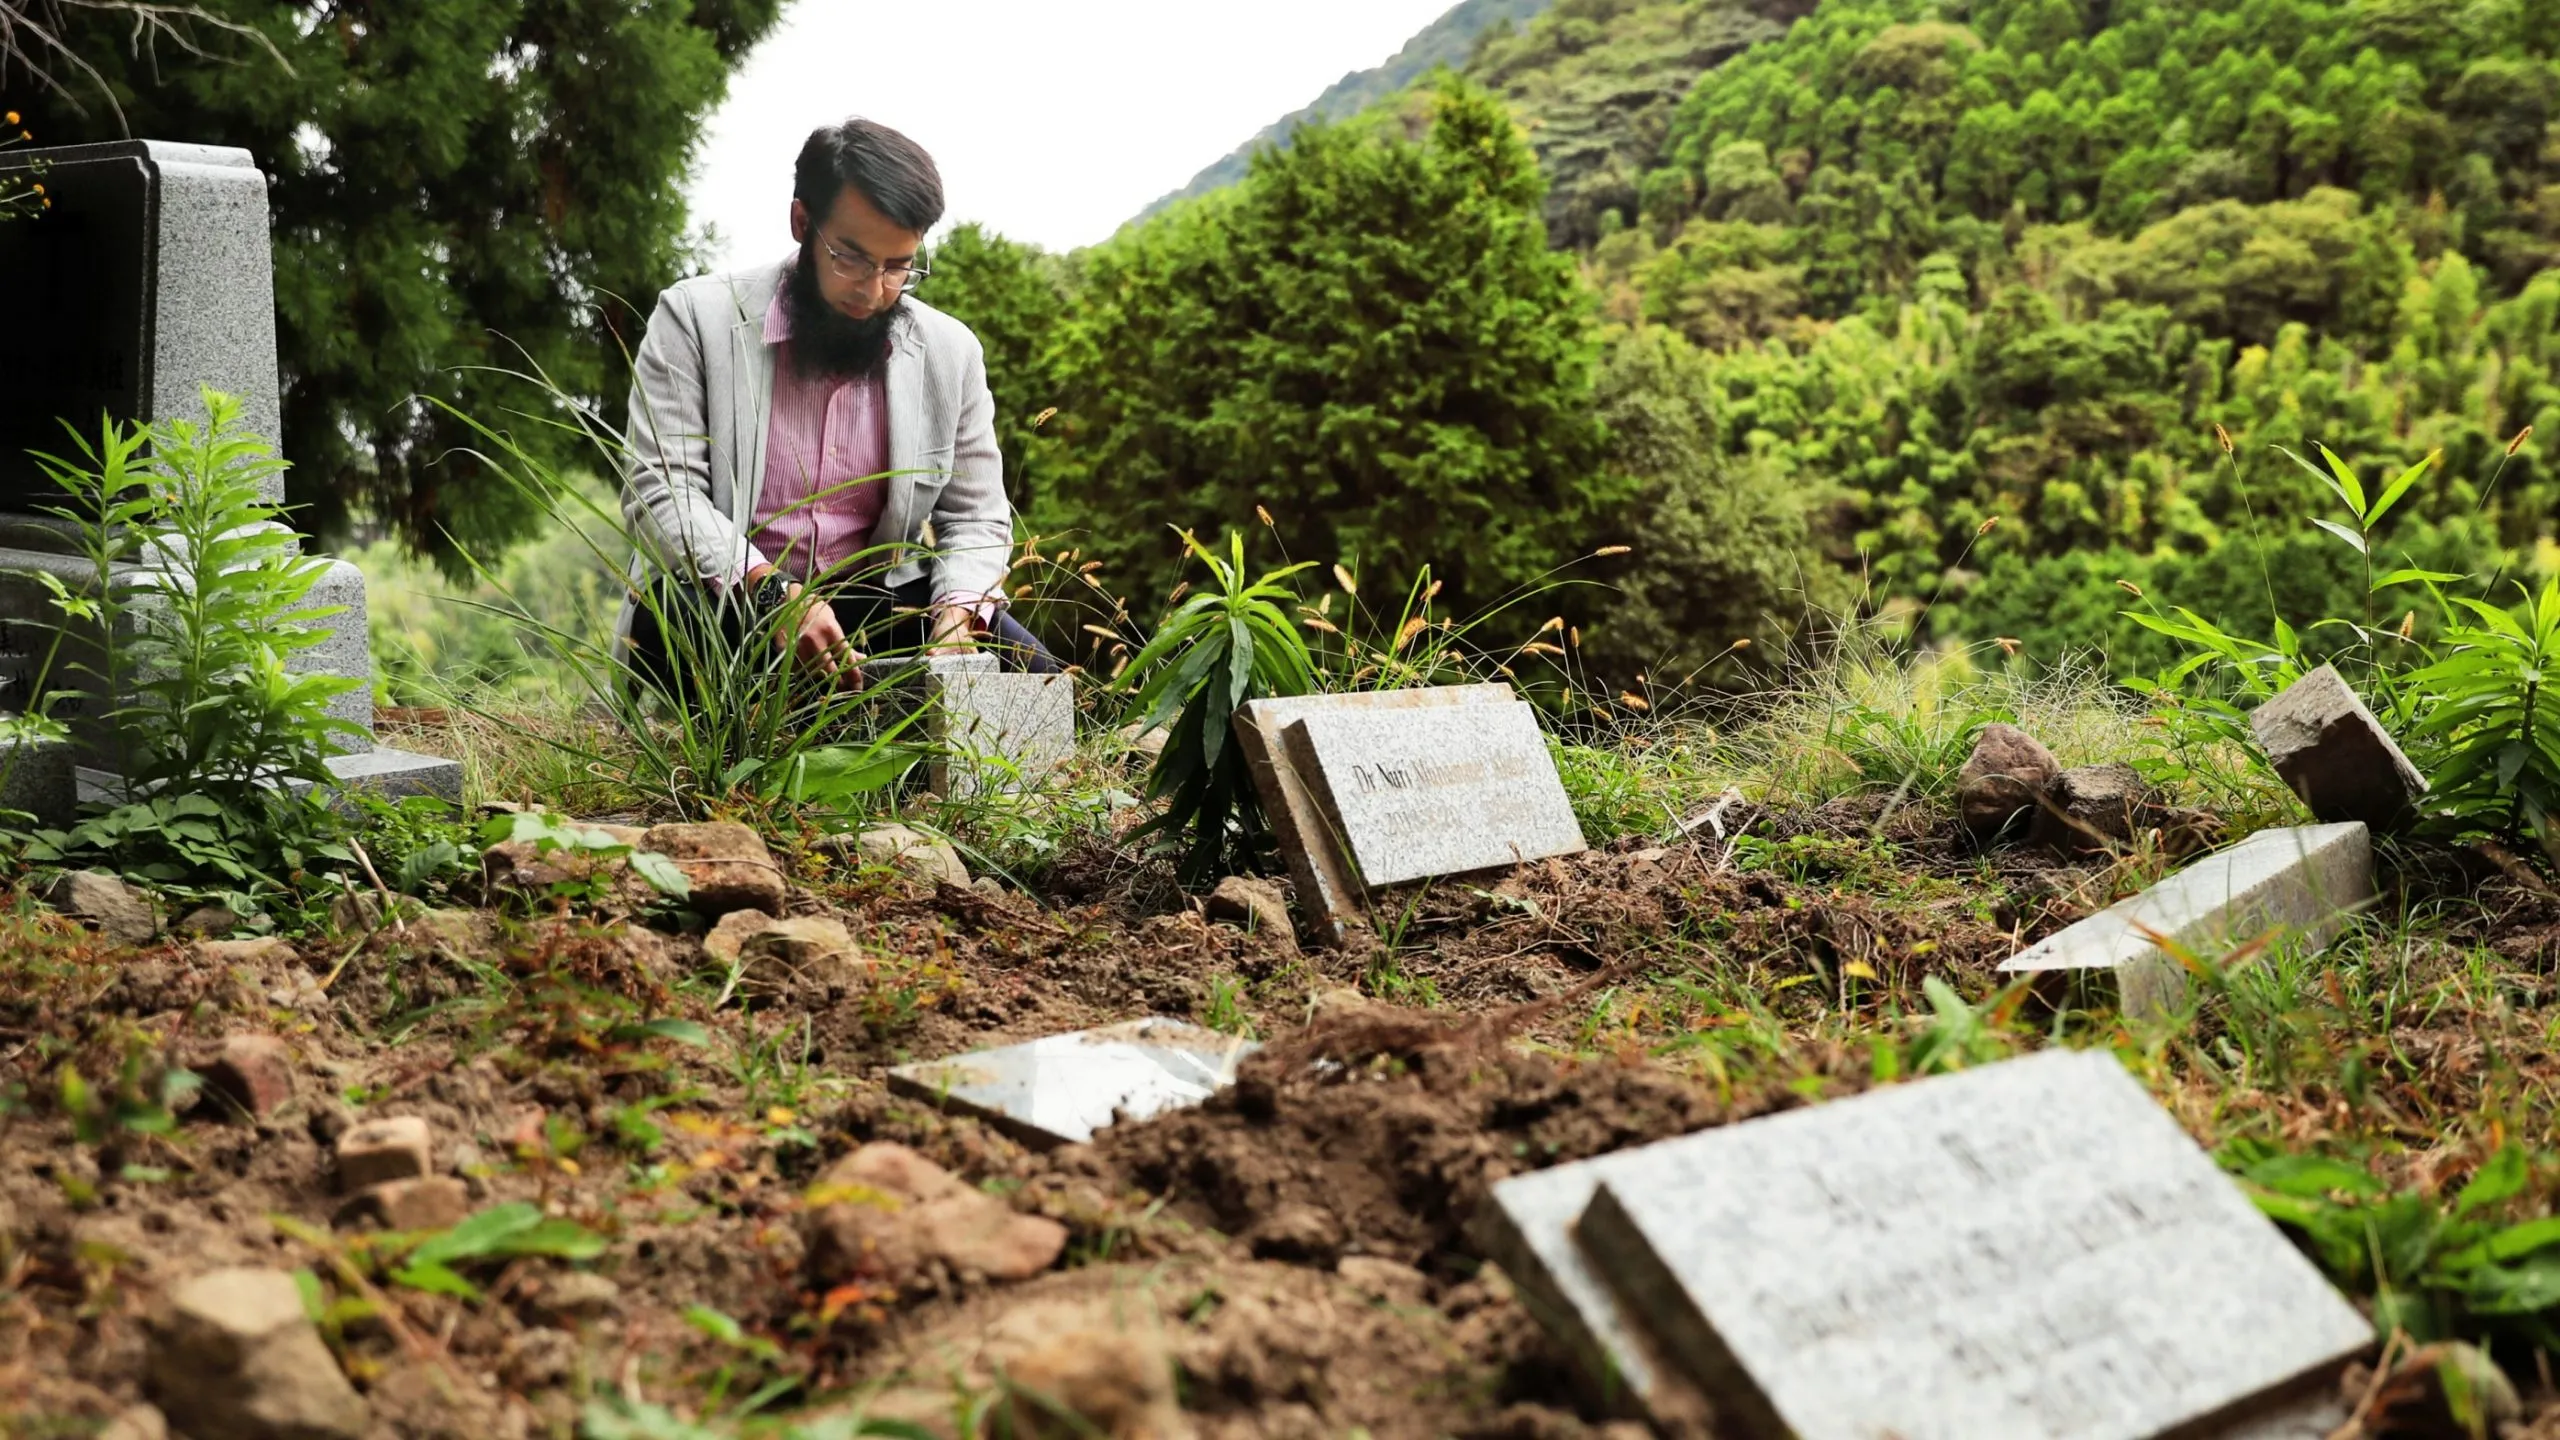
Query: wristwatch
pixel 770 593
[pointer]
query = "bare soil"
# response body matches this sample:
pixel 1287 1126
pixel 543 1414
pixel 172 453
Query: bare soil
pixel 1299 1246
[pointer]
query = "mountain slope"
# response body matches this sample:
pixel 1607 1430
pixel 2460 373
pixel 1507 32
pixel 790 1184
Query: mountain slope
pixel 1448 40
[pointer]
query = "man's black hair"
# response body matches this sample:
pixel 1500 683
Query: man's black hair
pixel 890 170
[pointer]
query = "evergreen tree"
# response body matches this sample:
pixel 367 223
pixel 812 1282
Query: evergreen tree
pixel 456 184
pixel 1368 338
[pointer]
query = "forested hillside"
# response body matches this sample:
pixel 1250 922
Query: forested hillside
pixel 1446 41
pixel 1955 300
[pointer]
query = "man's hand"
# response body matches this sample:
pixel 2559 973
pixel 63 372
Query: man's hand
pixel 952 632
pixel 819 645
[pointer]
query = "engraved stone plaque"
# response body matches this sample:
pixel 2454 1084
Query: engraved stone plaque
pixel 1439 791
pixel 1326 894
pixel 2029 1251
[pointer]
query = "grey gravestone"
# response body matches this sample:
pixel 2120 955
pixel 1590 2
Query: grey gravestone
pixel 1326 889
pixel 147 279
pixel 2311 878
pixel 1440 791
pixel 1060 1089
pixel 2335 755
pixel 2031 1249
pixel 998 730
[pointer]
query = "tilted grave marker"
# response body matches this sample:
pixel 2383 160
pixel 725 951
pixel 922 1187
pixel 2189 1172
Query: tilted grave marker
pixel 1328 895
pixel 2310 878
pixel 2029 1251
pixel 1060 1089
pixel 1440 791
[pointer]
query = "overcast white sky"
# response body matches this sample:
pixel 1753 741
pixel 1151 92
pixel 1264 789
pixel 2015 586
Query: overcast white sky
pixel 1053 120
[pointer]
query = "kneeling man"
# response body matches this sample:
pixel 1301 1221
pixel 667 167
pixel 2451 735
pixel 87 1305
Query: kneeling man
pixel 801 424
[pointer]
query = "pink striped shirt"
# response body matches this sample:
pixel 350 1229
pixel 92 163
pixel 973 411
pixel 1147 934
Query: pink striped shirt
pixel 828 437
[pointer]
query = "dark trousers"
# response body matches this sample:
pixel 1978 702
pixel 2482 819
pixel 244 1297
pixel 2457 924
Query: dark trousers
pixel 892 622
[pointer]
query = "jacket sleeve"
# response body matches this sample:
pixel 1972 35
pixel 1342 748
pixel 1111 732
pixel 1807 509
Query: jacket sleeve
pixel 666 492
pixel 972 519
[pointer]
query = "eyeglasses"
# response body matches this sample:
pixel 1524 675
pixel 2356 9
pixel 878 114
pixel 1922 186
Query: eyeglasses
pixel 862 270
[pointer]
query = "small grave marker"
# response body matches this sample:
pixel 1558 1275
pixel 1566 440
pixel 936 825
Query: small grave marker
pixel 1435 791
pixel 2031 1249
pixel 2310 877
pixel 1000 730
pixel 1060 1089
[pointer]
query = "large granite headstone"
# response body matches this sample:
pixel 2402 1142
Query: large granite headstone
pixel 146 281
pixel 2312 879
pixel 2031 1249
pixel 1060 1089
pixel 1325 885
pixel 1439 791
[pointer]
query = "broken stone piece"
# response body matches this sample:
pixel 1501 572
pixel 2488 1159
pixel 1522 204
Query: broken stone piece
pixel 1116 1382
pixel 2092 807
pixel 726 864
pixel 923 858
pixel 137 1422
pixel 2335 755
pixel 1997 789
pixel 809 955
pixel 2310 878
pixel 105 904
pixel 1060 1089
pixel 731 932
pixel 234 1357
pixel 1298 1233
pixel 255 1072
pixel 885 1213
pixel 1251 904
pixel 432 1202
pixel 381 1150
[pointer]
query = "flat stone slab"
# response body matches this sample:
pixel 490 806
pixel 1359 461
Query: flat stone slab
pixel 1002 731
pixel 1326 888
pixel 2335 755
pixel 1438 791
pixel 1060 1089
pixel 2028 1251
pixel 2310 878
pixel 1526 1227
pixel 391 773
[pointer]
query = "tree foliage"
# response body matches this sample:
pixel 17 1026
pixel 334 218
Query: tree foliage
pixel 466 183
pixel 1369 339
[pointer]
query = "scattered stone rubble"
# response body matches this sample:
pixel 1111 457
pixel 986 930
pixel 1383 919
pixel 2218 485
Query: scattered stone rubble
pixel 2335 755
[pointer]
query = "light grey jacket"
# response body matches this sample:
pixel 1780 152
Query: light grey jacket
pixel 701 401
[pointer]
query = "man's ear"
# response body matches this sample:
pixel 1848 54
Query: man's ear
pixel 799 222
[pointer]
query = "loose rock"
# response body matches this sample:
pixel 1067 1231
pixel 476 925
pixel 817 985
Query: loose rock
pixel 1251 904
pixel 137 1422
pixel 924 859
pixel 107 905
pixel 2094 806
pixel 580 1295
pixel 259 951
pixel 1305 1234
pixel 1997 789
pixel 725 863
pixel 208 922
pixel 235 1358
pixel 383 1150
pixel 1116 1383
pixel 433 1202
pixel 2335 755
pixel 807 955
pixel 1144 743
pixel 886 1213
pixel 255 1072
pixel 725 939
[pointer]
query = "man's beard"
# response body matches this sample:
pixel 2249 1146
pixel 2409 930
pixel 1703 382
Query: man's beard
pixel 824 340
